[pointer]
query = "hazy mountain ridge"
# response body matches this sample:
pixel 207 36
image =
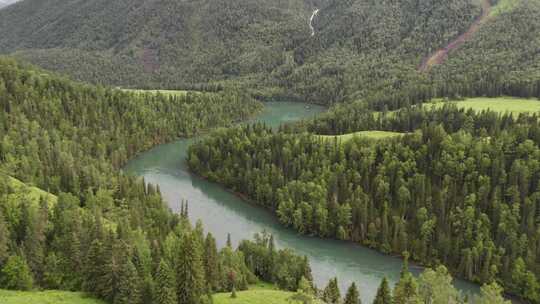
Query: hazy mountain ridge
pixel 4 3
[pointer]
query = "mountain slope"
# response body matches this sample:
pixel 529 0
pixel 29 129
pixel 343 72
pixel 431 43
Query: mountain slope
pixel 4 3
pixel 161 41
pixel 267 46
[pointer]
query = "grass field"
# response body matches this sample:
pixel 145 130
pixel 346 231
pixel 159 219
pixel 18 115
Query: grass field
pixel 503 6
pixel 499 104
pixel 257 294
pixel 21 191
pixel 164 92
pixel 45 297
pixel 368 134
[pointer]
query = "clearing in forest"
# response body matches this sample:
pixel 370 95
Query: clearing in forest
pixel 261 293
pixel 46 297
pixel 367 134
pixel 163 92
pixel 513 105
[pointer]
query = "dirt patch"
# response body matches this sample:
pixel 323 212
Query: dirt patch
pixel 149 60
pixel 440 56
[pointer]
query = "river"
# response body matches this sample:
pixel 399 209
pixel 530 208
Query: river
pixel 222 212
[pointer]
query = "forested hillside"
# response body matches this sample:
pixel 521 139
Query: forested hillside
pixel 502 58
pixel 95 229
pixel 460 189
pixel 360 47
pixel 162 43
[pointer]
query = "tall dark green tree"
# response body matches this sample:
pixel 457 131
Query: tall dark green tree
pixel 352 296
pixel 211 263
pixel 165 292
pixel 4 240
pixel 331 292
pixel 129 285
pixel 384 294
pixel 190 271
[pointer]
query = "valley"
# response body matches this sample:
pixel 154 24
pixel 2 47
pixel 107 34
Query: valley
pixel 251 151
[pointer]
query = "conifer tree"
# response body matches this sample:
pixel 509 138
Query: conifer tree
pixel 211 263
pixel 331 293
pixel 129 284
pixel 406 290
pixel 94 268
pixel 229 242
pixel 384 295
pixel 352 296
pixel 34 243
pixel 165 292
pixel 4 240
pixel 190 271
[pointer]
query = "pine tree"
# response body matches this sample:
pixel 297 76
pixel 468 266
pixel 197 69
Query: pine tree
pixel 129 284
pixel 93 268
pixel 190 271
pixel 384 295
pixel 331 293
pixel 165 286
pixel 406 290
pixel 229 242
pixel 34 243
pixel 211 263
pixel 4 240
pixel 352 296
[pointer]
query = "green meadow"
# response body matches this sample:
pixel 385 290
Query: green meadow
pixel 258 294
pixel 503 6
pixel 512 105
pixel 163 92
pixel 377 135
pixel 46 297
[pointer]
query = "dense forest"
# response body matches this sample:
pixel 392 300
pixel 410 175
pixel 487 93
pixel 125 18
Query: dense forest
pixel 459 188
pixel 98 230
pixel 111 235
pixel 361 49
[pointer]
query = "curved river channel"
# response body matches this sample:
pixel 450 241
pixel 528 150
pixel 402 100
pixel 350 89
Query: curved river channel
pixel 222 212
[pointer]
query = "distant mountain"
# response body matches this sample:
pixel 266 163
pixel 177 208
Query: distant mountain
pixel 4 3
pixel 359 46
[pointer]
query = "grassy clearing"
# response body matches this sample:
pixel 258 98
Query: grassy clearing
pixel 163 92
pixel 503 6
pixel 21 191
pixel 45 297
pixel 257 294
pixel 513 105
pixel 377 135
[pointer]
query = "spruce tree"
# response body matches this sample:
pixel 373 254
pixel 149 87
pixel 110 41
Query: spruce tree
pixel 190 271
pixel 331 293
pixel 211 263
pixel 4 240
pixel 165 292
pixel 384 295
pixel 229 242
pixel 34 243
pixel 352 296
pixel 129 284
pixel 94 268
